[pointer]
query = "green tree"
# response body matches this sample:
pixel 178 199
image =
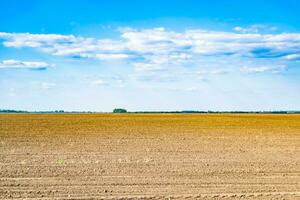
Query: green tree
pixel 119 110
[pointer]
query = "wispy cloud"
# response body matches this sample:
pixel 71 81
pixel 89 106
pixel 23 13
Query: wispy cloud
pixel 292 57
pixel 168 45
pixel 261 69
pixel 111 56
pixel 43 85
pixel 157 49
pixel 213 72
pixel 255 28
pixel 17 64
pixel 147 67
pixel 46 85
pixel 100 82
pixel 192 89
pixel 106 80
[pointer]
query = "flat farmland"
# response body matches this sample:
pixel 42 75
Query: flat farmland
pixel 149 156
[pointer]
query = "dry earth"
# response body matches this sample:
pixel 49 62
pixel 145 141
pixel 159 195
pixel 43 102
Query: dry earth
pixel 149 156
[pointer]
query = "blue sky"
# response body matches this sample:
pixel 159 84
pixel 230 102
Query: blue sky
pixel 150 55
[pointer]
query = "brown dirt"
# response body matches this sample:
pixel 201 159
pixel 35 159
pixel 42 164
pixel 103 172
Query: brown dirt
pixel 162 156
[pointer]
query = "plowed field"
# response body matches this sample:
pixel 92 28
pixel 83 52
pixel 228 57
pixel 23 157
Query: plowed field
pixel 149 156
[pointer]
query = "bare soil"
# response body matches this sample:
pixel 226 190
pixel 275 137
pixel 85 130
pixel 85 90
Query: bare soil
pixel 159 156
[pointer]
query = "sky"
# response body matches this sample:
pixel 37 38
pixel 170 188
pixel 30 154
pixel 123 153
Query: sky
pixel 87 55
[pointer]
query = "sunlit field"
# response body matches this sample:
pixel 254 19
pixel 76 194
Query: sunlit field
pixel 192 156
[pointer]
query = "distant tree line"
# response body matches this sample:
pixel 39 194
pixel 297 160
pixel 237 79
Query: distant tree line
pixel 122 110
pixel 13 111
pixel 24 111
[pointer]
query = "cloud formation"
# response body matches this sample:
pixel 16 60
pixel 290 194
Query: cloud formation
pixel 16 64
pixel 157 48
pixel 261 69
pixel 46 85
pixel 255 28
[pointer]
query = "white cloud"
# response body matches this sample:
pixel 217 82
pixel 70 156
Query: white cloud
pixel 47 85
pixel 111 56
pixel 43 85
pixel 192 89
pixel 106 80
pixel 35 40
pixel 141 67
pixel 219 71
pixel 255 28
pixel 213 72
pixel 100 82
pixel 261 69
pixel 16 64
pixel 158 48
pixel 292 57
pixel 155 77
pixel 157 41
